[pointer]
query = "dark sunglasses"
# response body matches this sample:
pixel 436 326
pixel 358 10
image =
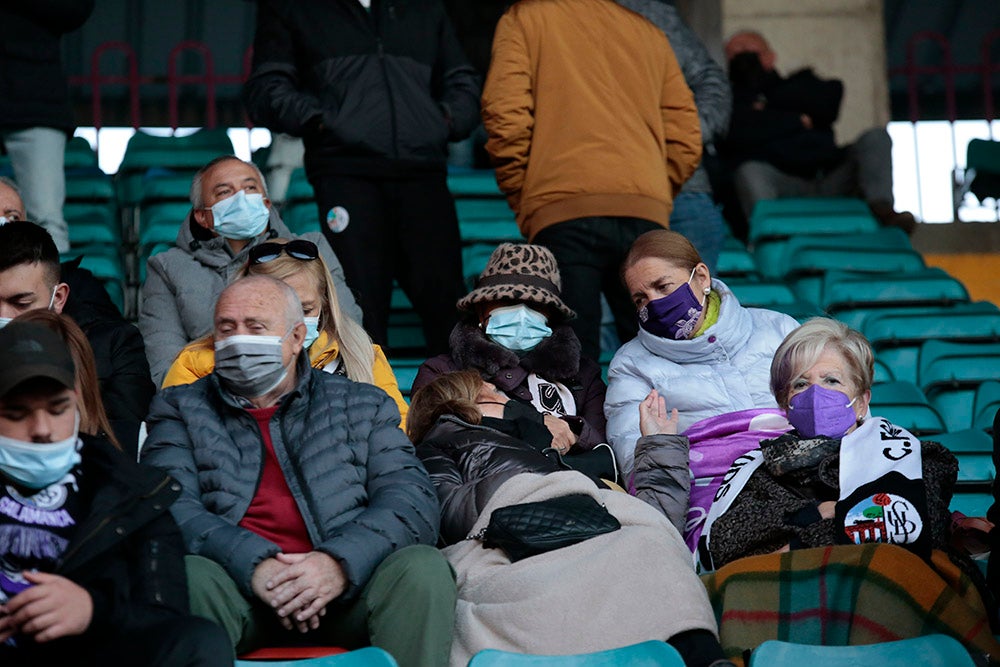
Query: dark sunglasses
pixel 297 249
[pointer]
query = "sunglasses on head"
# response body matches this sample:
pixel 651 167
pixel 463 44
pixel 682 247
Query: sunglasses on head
pixel 297 249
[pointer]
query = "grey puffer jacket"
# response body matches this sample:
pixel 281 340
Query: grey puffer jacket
pixel 661 476
pixel 183 283
pixel 357 482
pixel 704 76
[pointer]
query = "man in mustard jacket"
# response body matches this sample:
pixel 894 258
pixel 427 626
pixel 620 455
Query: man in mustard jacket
pixel 592 130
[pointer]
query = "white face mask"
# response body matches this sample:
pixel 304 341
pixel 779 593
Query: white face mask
pixel 37 465
pixel 4 321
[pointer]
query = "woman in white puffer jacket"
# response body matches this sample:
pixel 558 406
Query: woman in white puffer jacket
pixel 697 346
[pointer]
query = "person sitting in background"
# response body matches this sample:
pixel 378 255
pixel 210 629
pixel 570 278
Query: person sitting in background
pixel 546 604
pixel 31 278
pixel 515 334
pixel 230 215
pixel 11 204
pixel 842 477
pixel 697 346
pixel 91 563
pixel 781 140
pixel 307 515
pixel 336 343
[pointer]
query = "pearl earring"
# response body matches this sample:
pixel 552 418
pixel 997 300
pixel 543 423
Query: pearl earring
pixel 707 291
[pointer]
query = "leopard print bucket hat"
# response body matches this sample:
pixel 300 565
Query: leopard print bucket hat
pixel 519 272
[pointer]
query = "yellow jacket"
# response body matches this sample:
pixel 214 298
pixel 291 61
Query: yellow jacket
pixel 588 114
pixel 197 360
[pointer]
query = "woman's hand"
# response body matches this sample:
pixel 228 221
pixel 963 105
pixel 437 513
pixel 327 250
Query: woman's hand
pixel 653 419
pixel 562 435
pixel 828 509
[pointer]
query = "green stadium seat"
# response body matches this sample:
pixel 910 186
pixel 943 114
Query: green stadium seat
pixel 800 309
pixel 405 370
pixel 985 405
pixel 903 404
pixel 301 217
pixel 974 451
pixel 950 373
pixel 927 651
pixel 805 270
pixel 79 154
pixel 299 188
pixel 735 263
pixel 785 226
pixel 843 290
pixel 473 183
pixel 896 337
pixel 92 223
pixel 406 334
pixel 970 503
pixel 646 654
pixel 166 186
pixel 761 294
pixel 807 206
pixel 882 373
pixel 474 260
pixel 88 184
pixel 183 154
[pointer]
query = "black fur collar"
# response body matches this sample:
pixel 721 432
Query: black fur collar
pixel 556 358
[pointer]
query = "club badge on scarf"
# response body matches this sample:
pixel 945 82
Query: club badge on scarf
pixel 882 494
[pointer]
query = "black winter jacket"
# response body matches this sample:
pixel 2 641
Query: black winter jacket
pixel 557 358
pixel 370 92
pixel 360 489
pixel 468 464
pixel 122 368
pixel 127 552
pixel 33 90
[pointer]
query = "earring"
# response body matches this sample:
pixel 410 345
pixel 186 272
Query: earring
pixel 707 291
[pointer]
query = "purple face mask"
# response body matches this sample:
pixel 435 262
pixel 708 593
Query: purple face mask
pixel 821 411
pixel 672 316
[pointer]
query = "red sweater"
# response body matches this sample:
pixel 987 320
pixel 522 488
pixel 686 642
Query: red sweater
pixel 273 513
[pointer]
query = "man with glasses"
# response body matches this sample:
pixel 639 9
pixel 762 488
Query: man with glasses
pixel 306 512
pixel 230 215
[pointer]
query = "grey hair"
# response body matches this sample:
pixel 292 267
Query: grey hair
pixel 197 201
pixel 293 307
pixel 10 184
pixel 803 347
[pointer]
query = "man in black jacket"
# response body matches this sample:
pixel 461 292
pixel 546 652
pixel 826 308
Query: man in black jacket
pixel 91 563
pixel 31 277
pixel 782 137
pixel 376 90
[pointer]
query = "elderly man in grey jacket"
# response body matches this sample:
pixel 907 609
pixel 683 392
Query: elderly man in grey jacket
pixel 230 214
pixel 304 507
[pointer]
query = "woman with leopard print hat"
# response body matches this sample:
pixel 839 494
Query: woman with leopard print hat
pixel 515 334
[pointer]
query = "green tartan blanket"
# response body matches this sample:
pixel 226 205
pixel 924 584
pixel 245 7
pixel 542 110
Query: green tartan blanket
pixel 846 595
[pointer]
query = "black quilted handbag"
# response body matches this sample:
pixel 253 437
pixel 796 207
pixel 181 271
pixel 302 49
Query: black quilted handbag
pixel 530 529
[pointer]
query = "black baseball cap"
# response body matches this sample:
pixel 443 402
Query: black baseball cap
pixel 28 351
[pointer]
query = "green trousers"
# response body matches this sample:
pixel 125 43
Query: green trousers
pixel 407 608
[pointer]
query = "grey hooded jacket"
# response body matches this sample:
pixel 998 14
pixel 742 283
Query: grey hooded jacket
pixel 703 75
pixel 183 283
pixel 356 480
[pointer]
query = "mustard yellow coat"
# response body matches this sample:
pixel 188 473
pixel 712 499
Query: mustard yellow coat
pixel 197 360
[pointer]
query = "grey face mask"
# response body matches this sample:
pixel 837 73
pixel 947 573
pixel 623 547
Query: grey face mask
pixel 250 366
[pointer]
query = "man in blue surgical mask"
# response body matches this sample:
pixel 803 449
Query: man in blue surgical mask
pixel 305 509
pixel 230 214
pixel 91 562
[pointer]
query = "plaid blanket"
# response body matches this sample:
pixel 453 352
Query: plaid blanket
pixel 846 595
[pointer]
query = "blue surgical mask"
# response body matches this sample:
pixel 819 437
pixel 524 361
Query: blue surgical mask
pixel 312 331
pixel 4 321
pixel 241 216
pixel 517 328
pixel 37 465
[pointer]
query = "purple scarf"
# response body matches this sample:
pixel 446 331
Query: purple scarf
pixel 715 443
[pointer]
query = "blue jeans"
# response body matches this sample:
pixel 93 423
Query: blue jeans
pixel 699 219
pixel 36 155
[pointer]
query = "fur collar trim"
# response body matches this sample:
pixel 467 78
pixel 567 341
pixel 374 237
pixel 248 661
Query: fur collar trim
pixel 556 358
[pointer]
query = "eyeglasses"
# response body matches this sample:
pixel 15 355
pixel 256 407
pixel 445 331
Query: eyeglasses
pixel 298 249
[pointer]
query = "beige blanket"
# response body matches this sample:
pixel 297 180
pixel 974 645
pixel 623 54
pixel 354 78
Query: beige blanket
pixel 632 585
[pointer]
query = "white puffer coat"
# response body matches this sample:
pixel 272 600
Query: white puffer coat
pixel 725 369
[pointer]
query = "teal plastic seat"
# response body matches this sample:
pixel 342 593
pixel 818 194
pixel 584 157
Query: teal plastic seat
pixel 735 263
pixel 369 656
pixel 145 151
pixel 646 654
pixel 405 369
pixel 88 184
pixel 806 270
pixel 166 186
pixel 927 651
pixel 778 227
pixel 405 332
pixel 299 188
pixel 986 405
pixel 79 154
pixel 970 503
pixel 475 256
pixel 800 309
pixel 772 255
pixel 931 286
pixel 92 223
pixel 807 206
pixel 301 217
pixel 856 318
pixel 896 337
pixel 761 294
pixel 882 373
pixel 974 451
pixel 903 404
pixel 949 373
pixel 473 183
pixel 161 222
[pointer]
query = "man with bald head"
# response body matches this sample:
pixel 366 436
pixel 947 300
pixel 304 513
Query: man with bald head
pixel 781 139
pixel 230 214
pixel 304 507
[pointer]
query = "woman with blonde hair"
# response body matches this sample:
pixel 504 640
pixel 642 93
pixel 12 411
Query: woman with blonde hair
pixel 336 343
pixel 93 419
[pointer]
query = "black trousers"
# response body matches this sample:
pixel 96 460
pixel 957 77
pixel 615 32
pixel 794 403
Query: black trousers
pixel 184 641
pixel 590 252
pixel 404 229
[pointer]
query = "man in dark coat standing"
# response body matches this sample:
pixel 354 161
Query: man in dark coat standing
pixel 35 114
pixel 376 90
